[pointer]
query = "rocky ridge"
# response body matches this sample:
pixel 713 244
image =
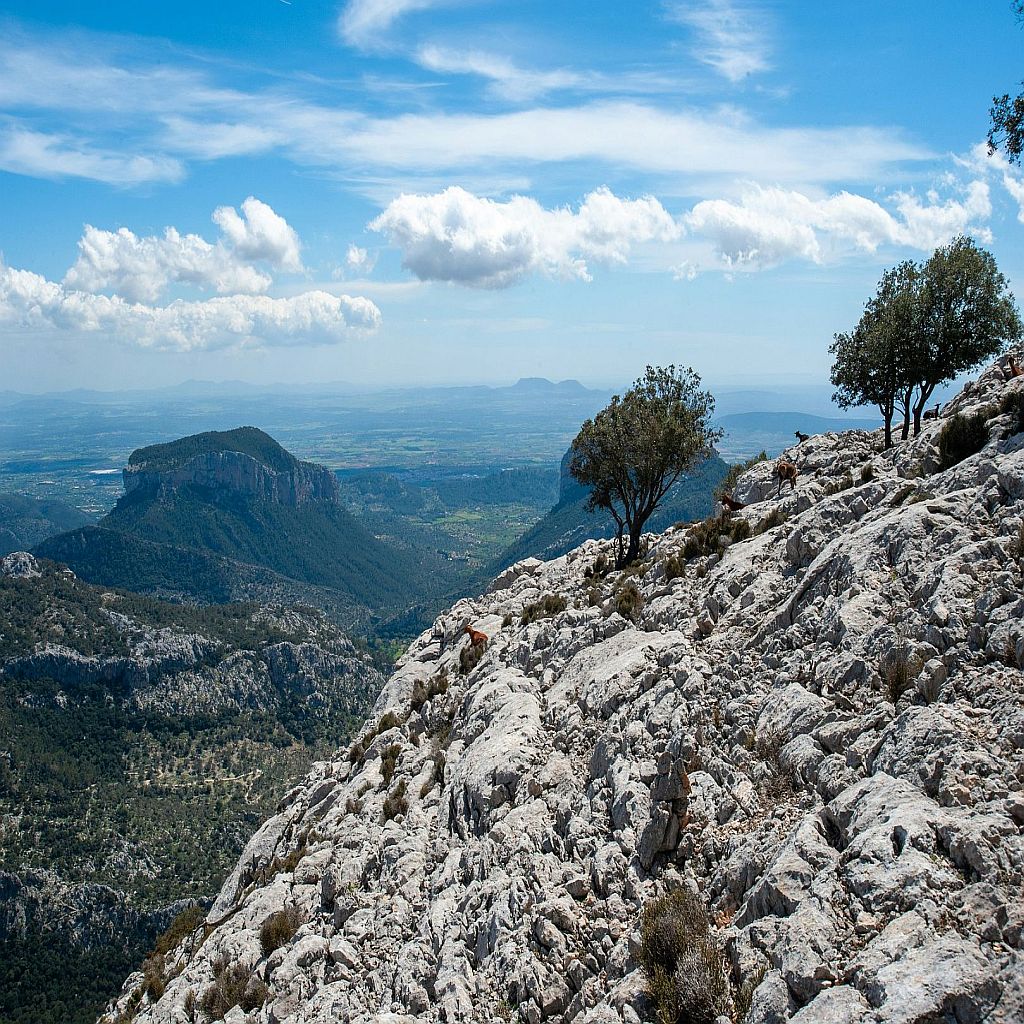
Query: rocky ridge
pixel 817 727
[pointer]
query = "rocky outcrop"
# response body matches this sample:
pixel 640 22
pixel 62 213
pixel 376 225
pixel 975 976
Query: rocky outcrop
pixel 818 729
pixel 79 916
pixel 239 473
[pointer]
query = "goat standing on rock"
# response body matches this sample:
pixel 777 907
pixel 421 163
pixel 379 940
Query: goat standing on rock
pixel 786 471
pixel 801 436
pixel 730 504
pixel 475 636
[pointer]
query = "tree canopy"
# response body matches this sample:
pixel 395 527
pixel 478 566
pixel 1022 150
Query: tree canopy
pixel 633 451
pixel 926 324
pixel 1006 130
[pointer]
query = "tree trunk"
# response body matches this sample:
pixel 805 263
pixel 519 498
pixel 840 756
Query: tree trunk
pixel 634 549
pixel 620 560
pixel 888 431
pixel 919 407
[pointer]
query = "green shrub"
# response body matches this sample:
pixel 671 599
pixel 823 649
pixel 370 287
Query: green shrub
pixel 739 529
pixel 629 602
pixel 867 474
pixel 227 990
pixel 180 928
pixel 434 686
pixel 153 976
pixel 357 752
pixel 289 862
pixel 599 569
pixel 469 657
pixel 961 437
pixel 549 604
pixel 774 518
pixel 279 929
pixel 704 537
pixel 1016 546
pixel 843 483
pixel 898 669
pixel 686 974
pixel 388 760
pixel 675 565
pixel 1013 404
pixel 437 775
pixel 396 803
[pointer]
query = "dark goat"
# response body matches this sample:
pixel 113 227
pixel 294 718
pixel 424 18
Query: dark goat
pixel 786 471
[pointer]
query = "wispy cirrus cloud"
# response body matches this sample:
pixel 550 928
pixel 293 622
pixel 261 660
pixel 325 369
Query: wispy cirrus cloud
pixel 364 23
pixel 38 154
pixel 507 78
pixel 166 118
pixel 730 36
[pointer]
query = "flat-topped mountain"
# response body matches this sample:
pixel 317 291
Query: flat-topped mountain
pixel 231 515
pixel 245 461
pixel 773 772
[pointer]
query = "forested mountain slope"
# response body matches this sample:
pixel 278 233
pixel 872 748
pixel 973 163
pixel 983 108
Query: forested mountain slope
pixel 140 744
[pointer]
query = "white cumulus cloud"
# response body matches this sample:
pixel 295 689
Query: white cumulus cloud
pixel 768 226
pixel 460 237
pixel 141 269
pixel 30 301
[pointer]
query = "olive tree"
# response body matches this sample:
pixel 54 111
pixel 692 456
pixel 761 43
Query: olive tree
pixel 632 452
pixel 927 324
pixel 873 361
pixel 966 315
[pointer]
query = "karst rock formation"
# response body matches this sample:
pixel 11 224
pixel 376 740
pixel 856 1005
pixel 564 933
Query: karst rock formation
pixel 818 729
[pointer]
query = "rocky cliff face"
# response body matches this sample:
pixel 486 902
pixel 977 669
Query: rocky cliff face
pixel 239 473
pixel 817 729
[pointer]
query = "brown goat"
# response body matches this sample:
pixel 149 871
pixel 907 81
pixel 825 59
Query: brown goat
pixel 786 471
pixel 475 636
pixel 1016 370
pixel 730 504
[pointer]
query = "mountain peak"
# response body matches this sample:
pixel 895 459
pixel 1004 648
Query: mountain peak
pixel 250 441
pixel 543 384
pixel 245 461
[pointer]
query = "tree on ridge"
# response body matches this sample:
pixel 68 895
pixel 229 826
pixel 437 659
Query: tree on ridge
pixel 633 451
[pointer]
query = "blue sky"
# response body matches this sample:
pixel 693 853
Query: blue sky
pixel 404 191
